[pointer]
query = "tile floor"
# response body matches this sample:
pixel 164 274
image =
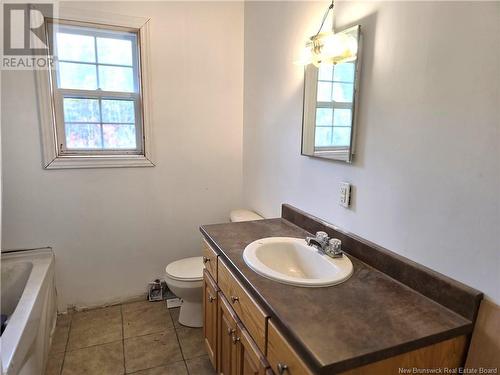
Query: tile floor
pixel 142 338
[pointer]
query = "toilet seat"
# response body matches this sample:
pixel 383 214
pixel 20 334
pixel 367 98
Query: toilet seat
pixel 187 269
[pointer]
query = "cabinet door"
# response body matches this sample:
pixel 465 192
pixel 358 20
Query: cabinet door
pixel 210 260
pixel 210 317
pixel 226 338
pixel 281 356
pixel 250 360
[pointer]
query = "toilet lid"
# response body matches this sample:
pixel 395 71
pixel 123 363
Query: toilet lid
pixel 187 269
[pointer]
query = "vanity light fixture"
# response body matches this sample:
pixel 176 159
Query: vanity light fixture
pixel 329 47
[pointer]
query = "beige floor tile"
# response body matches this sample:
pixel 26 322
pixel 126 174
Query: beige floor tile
pixel 152 350
pixel 54 364
pixel 104 359
pixel 178 368
pixel 174 313
pixel 200 366
pixel 95 327
pixel 191 340
pixel 60 338
pixel 143 318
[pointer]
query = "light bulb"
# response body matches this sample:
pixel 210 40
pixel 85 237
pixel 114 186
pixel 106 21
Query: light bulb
pixel 329 48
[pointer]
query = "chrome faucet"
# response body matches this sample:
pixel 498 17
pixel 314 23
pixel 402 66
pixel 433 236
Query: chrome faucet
pixel 326 245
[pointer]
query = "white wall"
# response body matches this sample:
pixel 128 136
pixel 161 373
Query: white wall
pixel 113 230
pixel 426 176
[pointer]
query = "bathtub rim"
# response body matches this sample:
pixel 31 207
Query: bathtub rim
pixel 16 332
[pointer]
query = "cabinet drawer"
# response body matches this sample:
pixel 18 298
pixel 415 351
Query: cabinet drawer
pixel 281 356
pixel 250 314
pixel 210 260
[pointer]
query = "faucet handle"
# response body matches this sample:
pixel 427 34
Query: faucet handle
pixel 335 244
pixel 322 236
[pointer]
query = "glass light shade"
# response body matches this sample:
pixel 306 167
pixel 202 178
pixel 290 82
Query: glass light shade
pixel 329 48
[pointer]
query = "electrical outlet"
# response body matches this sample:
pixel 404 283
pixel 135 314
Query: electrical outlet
pixel 345 194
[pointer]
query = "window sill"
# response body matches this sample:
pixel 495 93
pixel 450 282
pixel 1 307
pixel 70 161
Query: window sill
pixel 77 162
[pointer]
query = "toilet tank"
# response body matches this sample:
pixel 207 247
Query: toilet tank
pixel 244 215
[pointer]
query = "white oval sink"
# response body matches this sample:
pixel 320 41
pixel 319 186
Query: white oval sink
pixel 291 261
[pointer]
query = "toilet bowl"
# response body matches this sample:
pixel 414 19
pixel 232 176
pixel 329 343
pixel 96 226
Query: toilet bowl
pixel 184 277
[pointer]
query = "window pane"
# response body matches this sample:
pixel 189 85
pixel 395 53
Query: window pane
pixel 342 117
pixel 83 136
pixel 75 47
pixel 324 116
pixel 324 92
pixel 344 72
pixel 325 72
pixel 114 78
pixel 119 136
pixel 77 76
pixel 120 111
pixel 323 137
pixel 341 136
pixel 114 51
pixel 81 110
pixel 343 92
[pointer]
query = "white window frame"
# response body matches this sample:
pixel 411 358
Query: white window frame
pixel 55 155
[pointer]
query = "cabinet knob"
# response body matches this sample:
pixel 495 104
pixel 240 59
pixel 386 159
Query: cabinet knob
pixel 281 368
pixel 211 298
pixel 205 259
pixel 230 331
pixel 234 299
pixel 235 339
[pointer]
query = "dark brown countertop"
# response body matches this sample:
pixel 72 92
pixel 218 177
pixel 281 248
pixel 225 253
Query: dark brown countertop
pixel 369 317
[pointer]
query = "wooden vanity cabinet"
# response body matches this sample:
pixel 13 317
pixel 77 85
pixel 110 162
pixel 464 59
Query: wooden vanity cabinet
pixel 210 260
pixel 234 325
pixel 210 303
pixel 250 360
pixel 252 316
pixel 237 352
pixel 281 356
pixel 241 339
pixel 227 350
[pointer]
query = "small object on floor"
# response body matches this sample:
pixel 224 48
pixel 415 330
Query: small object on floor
pixel 173 302
pixel 168 294
pixel 155 291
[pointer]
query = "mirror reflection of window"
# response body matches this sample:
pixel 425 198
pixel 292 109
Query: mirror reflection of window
pixel 330 99
pixel 334 105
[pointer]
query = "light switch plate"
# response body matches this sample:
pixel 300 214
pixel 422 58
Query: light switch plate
pixel 345 194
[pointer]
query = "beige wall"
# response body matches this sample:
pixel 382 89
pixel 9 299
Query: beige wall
pixel 426 176
pixel 114 230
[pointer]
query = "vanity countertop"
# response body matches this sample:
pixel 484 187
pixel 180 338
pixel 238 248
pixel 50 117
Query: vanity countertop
pixel 369 317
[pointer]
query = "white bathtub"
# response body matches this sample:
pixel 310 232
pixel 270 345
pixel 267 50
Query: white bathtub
pixel 28 298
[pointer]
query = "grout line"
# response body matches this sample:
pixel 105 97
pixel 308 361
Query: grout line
pixel 178 341
pixel 123 340
pixel 177 337
pixel 187 368
pixel 92 346
pixel 150 368
pixel 67 343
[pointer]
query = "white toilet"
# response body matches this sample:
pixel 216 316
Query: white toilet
pixel 185 278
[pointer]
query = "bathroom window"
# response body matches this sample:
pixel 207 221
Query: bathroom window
pixel 98 95
pixel 335 94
